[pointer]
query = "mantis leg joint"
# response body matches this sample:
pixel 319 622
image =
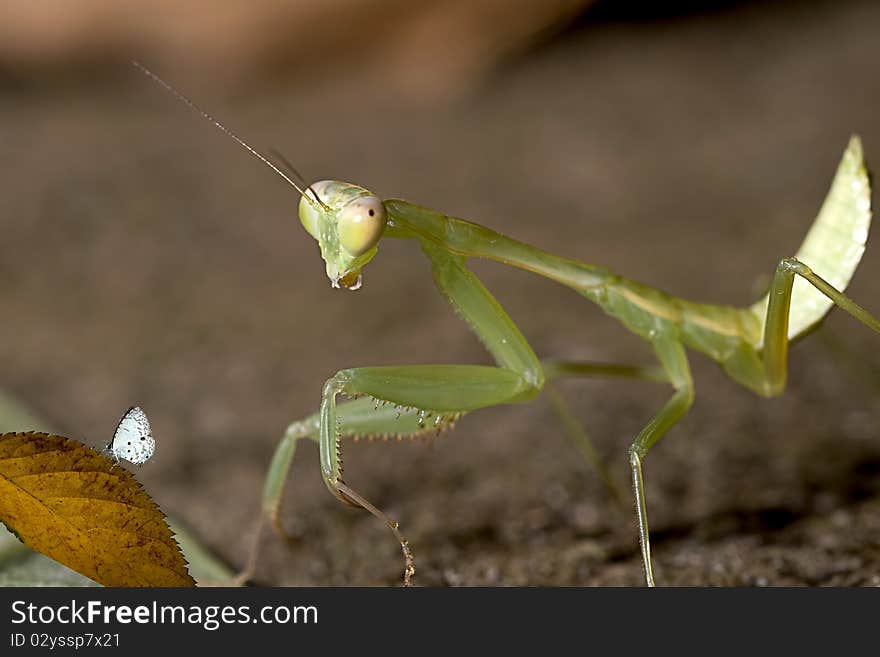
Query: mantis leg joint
pixel 635 456
pixel 334 385
pixel 795 266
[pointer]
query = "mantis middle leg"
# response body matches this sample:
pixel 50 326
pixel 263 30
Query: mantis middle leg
pixel 573 427
pixel 674 370
pixel 671 354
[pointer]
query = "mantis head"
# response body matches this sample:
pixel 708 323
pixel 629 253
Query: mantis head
pixel 347 221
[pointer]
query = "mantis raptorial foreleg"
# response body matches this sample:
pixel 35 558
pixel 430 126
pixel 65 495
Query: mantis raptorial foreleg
pixel 431 396
pixel 443 390
pixel 358 417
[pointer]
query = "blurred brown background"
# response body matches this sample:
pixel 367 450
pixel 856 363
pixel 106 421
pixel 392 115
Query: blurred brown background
pixel 146 259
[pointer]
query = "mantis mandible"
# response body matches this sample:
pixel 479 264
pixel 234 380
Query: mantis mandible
pixel 750 344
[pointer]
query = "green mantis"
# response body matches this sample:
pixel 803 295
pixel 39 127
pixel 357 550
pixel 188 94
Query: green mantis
pixel 750 344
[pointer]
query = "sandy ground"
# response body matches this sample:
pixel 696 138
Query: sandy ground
pixel 146 260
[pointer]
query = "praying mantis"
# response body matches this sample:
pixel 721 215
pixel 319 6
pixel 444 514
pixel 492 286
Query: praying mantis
pixel 749 344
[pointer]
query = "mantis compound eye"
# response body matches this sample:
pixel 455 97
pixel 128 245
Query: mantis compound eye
pixel 309 210
pixel 360 224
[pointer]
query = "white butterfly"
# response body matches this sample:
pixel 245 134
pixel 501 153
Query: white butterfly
pixel 132 440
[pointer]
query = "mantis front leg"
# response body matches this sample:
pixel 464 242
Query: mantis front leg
pixel 408 400
pixel 356 418
pixel 439 390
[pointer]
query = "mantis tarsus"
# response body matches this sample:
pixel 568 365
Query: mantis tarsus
pixel 750 344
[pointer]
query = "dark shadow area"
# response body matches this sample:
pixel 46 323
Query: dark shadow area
pixel 636 11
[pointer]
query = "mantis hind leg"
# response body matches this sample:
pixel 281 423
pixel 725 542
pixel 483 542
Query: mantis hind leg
pixel 765 370
pixel 776 326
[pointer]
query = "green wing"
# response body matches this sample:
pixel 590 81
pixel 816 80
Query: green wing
pixel 834 245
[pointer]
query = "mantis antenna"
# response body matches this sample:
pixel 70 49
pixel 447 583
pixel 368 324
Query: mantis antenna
pixel 278 155
pixel 186 101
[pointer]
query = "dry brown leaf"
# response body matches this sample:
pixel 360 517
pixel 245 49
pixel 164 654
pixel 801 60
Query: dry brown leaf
pixel 79 507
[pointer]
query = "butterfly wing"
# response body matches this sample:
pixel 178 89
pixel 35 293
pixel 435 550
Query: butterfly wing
pixel 133 438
